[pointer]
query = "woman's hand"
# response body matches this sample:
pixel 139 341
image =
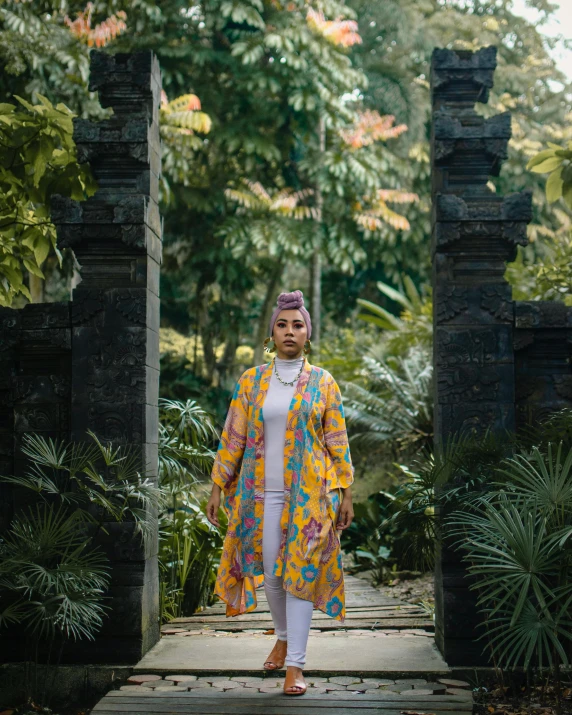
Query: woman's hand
pixel 346 513
pixel 213 505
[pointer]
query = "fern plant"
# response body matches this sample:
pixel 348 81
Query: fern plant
pixel 393 409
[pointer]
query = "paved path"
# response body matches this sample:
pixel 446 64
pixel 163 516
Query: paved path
pixel 382 659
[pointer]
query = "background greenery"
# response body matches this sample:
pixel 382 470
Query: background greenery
pixel 295 156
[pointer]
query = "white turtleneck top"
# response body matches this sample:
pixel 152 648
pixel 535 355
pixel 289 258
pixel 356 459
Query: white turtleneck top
pixel 275 413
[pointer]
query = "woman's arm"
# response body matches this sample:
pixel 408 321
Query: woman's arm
pixel 336 438
pixel 230 450
pixel 232 440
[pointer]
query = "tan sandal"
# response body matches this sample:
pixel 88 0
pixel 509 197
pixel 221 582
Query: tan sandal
pixel 274 662
pixel 294 681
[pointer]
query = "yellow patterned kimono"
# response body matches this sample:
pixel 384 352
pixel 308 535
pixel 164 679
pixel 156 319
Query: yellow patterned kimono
pixel 316 464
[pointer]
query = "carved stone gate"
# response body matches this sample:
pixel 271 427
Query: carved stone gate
pixel 499 364
pixel 93 363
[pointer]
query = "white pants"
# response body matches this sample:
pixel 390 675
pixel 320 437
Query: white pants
pixel 291 615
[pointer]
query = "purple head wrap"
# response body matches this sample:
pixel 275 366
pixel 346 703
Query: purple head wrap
pixel 291 301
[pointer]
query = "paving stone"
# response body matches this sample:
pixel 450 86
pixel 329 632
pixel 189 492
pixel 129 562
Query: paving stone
pixel 422 691
pixel 175 688
pixel 197 685
pixel 344 680
pixel 177 678
pixel 411 681
pixel 334 686
pixel 226 684
pixel 139 679
pixel 450 683
pixel 397 688
pixel 212 679
pixel 153 684
pixel 378 681
pixel 459 691
pixel 246 679
pixel 435 688
pixel 267 690
pixel 131 687
pixel 315 679
pixel 173 631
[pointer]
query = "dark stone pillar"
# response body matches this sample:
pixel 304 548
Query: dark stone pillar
pixel 116 237
pixel 543 360
pixel 474 233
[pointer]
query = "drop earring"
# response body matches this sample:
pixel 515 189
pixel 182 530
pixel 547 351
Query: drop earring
pixel 269 345
pixel 307 347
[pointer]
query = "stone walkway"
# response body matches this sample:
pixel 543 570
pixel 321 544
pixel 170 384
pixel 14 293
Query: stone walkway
pixel 382 658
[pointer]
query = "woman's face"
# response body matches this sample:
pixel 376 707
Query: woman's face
pixel 290 334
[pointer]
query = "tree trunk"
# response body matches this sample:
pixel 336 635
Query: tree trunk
pixel 266 312
pixel 206 331
pixel 316 265
pixel 36 288
pixel 316 299
pixel 226 363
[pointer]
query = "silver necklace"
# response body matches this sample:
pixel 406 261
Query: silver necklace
pixel 295 380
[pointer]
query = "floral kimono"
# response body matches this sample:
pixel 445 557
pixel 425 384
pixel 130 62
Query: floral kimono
pixel 316 465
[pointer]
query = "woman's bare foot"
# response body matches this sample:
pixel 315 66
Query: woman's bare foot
pixel 294 683
pixel 275 660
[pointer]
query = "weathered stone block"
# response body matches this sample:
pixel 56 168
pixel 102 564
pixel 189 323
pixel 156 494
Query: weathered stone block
pixel 44 316
pixel 542 314
pixel 480 346
pixel 474 418
pixel 464 384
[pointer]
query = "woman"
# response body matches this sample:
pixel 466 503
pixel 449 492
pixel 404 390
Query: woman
pixel 284 466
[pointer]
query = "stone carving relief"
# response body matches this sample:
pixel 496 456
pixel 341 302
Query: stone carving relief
pixel 451 301
pixel 496 302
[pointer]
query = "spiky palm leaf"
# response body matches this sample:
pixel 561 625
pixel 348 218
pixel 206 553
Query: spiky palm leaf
pixel 185 432
pixel 514 540
pixel 52 579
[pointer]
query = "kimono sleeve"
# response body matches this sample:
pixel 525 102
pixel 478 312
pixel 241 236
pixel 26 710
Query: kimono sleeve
pixel 336 438
pixel 232 441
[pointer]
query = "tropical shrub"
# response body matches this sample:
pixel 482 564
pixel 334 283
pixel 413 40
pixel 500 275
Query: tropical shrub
pixel 38 158
pixel 516 540
pixel 367 539
pixel 406 517
pixel 505 502
pixel 393 411
pixel 53 575
pixel 189 545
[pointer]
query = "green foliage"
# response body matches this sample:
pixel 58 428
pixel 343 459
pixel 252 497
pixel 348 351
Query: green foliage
pixel 368 539
pixel 516 542
pixel 389 401
pixel 53 574
pixel 37 159
pixel 543 272
pixel 556 161
pixel 189 545
pixel 414 326
pixel 393 410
